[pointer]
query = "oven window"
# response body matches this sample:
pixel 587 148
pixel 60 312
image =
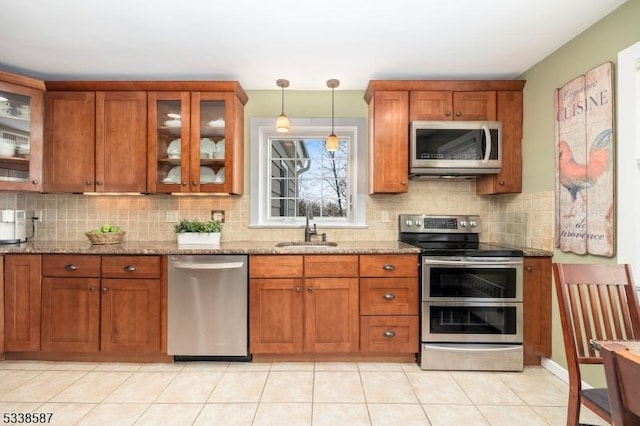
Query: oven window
pixel 498 283
pixel 473 319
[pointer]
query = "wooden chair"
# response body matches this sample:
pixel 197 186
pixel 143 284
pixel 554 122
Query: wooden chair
pixel 622 370
pixel 596 302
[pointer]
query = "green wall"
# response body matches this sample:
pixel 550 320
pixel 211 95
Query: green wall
pixel 600 43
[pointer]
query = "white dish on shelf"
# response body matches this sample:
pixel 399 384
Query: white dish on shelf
pixel 173 150
pixel 174 116
pixel 207 175
pixel 207 148
pixel 218 123
pixel 220 145
pixel 173 123
pixel 220 176
pixel 173 176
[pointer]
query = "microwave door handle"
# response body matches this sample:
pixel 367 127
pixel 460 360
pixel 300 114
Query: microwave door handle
pixel 487 149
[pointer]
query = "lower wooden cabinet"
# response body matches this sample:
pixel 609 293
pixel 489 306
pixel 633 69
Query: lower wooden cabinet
pixel 22 302
pixel 322 304
pixel 84 304
pixel 537 309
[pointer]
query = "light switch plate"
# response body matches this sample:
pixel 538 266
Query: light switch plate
pixel 172 216
pixel 217 215
pixel 384 216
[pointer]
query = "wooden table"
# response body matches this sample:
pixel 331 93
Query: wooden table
pixel 622 369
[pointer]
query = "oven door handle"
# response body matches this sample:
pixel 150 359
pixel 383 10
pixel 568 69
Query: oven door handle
pixel 490 261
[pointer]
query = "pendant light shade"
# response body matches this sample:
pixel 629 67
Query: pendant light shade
pixel 282 123
pixel 333 143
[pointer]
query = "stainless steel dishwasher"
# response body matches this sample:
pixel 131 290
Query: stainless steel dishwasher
pixel 207 307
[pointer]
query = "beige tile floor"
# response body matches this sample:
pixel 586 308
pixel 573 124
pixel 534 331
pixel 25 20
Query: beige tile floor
pixel 210 393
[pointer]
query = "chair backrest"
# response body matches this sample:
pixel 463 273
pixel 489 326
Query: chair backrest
pixel 622 368
pixel 596 302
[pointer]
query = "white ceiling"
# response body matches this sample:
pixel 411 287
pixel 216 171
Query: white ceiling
pixel 305 41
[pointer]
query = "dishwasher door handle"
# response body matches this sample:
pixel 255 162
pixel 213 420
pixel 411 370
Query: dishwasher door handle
pixel 212 265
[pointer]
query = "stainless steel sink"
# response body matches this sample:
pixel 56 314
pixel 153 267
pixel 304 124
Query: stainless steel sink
pixel 304 244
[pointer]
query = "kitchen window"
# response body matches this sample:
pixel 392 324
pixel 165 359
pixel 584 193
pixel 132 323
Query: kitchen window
pixel 293 173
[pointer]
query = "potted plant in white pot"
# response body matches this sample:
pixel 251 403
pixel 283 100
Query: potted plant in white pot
pixel 198 232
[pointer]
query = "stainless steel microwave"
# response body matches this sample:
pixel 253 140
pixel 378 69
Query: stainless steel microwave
pixel 450 148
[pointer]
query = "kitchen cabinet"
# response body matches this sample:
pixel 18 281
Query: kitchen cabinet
pixel 450 105
pixel 108 304
pixel 393 104
pixel 196 142
pixel 509 180
pixel 389 142
pixel 95 141
pixel 537 309
pixel 389 304
pixel 21 133
pixel 303 304
pixel 22 302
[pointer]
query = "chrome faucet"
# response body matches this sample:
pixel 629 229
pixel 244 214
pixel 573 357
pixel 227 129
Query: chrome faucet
pixel 308 232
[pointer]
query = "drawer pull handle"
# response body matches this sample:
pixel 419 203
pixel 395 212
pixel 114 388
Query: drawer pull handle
pixel 388 267
pixel 71 267
pixel 129 268
pixel 389 333
pixel 389 296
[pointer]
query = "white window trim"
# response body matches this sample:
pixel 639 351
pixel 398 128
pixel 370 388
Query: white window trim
pixel 628 147
pixel 264 128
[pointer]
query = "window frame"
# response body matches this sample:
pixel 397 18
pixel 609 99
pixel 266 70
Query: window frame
pixel 264 129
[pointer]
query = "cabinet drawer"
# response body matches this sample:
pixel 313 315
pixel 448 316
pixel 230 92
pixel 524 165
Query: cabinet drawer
pixel 391 265
pixel 62 265
pixel 388 296
pixel 131 266
pixel 330 266
pixel 389 334
pixel 278 266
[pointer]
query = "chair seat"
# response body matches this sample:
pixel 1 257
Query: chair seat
pixel 599 397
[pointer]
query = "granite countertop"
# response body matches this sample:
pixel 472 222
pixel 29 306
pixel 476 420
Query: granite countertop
pixel 232 247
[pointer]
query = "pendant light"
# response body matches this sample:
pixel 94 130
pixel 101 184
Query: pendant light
pixel 282 123
pixel 333 143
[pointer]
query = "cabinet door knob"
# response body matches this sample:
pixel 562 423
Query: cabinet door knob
pixel 448 113
pixel 298 289
pixel 88 183
pixel 310 289
pixel 404 182
pixel 501 182
pixel 92 289
pixel 529 268
pixel 129 268
pixel 98 182
pixel 35 182
pixel 71 267
pixel 104 289
pixel 389 333
pixel 389 296
pixel 194 183
pixel 388 267
pixel 458 114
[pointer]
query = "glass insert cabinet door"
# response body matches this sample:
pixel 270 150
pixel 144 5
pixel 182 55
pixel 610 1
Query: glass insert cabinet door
pixel 20 137
pixel 190 147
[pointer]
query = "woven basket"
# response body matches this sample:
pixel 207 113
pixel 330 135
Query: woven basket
pixel 107 238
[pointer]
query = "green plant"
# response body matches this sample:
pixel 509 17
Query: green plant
pixel 195 225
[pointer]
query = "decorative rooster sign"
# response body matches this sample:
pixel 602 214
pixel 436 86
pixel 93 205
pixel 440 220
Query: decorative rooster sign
pixel 585 164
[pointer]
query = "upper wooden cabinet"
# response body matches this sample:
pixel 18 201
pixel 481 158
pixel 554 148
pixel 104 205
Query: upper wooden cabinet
pixel 21 113
pixel 393 104
pixel 196 142
pixel 448 105
pixel 95 141
pixel 389 142
pixel 509 180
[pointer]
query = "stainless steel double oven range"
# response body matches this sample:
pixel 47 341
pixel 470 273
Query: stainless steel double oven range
pixel 471 295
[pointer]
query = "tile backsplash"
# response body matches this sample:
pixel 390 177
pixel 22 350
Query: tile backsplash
pixel 521 219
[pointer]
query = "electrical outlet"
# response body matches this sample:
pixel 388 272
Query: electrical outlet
pixel 217 215
pixel 172 216
pixel 38 214
pixel 384 216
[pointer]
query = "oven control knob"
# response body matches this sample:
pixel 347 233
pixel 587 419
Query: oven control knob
pixel 463 224
pixel 408 222
pixel 472 224
pixel 418 224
